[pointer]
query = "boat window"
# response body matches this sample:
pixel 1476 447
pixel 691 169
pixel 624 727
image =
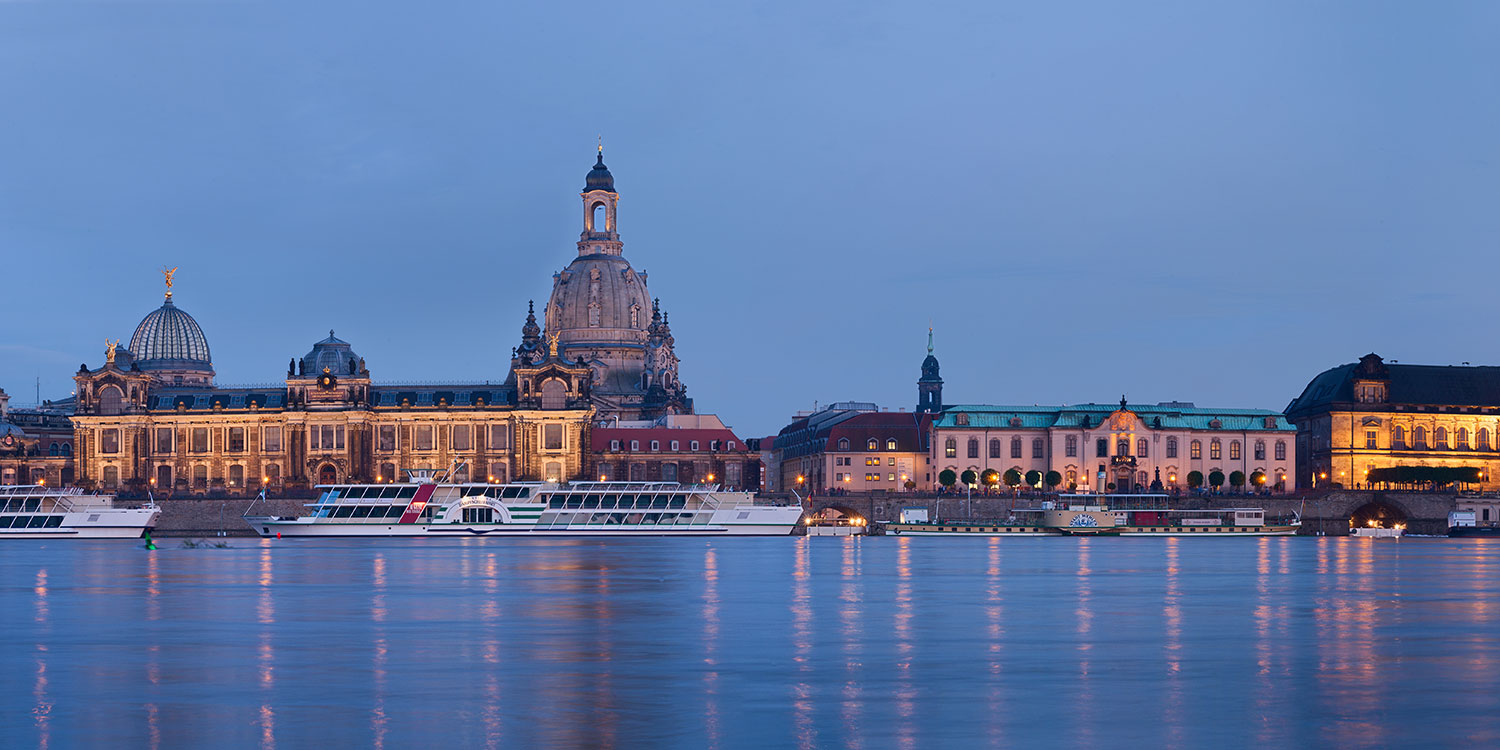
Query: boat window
pixel 554 501
pixel 607 501
pixel 590 501
pixel 572 501
pixel 36 522
pixel 679 501
pixel 651 518
pixel 660 501
pixel 5 521
pixel 407 493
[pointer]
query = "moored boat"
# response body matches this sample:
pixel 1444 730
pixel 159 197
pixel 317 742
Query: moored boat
pixel 1111 515
pixel 39 512
pixel 429 507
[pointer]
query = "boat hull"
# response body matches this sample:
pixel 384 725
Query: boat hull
pixel 918 529
pixel 121 523
pixel 762 521
pixel 1474 531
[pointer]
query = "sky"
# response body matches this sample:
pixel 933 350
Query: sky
pixel 1207 202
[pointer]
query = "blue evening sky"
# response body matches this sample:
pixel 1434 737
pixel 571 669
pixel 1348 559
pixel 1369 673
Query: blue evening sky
pixel 1203 201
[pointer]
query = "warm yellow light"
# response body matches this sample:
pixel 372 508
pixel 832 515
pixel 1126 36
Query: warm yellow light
pixel 153 480
pixel 1371 523
pixel 42 482
pixel 378 478
pixel 799 479
pixel 601 478
pixel 710 477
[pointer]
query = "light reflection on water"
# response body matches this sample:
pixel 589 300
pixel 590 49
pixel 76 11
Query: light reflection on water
pixel 823 642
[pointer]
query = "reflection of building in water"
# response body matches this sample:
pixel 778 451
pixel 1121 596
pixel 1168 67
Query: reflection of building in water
pixel 1367 415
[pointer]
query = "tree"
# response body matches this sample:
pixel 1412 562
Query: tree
pixel 968 477
pixel 1012 477
pixel 911 484
pixel 990 477
pixel 1195 479
pixel 1033 478
pixel 1053 479
pixel 1236 478
pixel 946 477
pixel 1216 479
pixel 1258 478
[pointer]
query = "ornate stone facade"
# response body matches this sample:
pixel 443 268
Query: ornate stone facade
pixel 602 314
pixel 1368 415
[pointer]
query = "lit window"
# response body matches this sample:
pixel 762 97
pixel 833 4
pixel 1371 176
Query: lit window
pixel 1234 450
pixel 872 444
pixel 1195 449
pixel 950 448
pixel 890 444
pixel 1372 441
pixel 1215 450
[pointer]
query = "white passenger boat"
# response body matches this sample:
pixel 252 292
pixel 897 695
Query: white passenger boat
pixel 427 507
pixel 38 512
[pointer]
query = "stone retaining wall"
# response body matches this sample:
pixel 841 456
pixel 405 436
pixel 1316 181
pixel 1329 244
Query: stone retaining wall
pixel 218 517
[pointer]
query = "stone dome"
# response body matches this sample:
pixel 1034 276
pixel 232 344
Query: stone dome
pixel 332 353
pixel 169 339
pixel 599 177
pixel 599 300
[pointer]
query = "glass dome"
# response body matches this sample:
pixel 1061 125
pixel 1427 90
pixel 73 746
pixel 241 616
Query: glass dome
pixel 169 339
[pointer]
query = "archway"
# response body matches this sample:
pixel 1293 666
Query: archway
pixel 1377 514
pixel 837 515
pixel 328 474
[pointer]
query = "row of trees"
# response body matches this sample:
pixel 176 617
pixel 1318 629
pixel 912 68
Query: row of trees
pixel 1034 478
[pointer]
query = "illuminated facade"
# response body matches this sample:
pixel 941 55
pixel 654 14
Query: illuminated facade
pixel 1369 415
pixel 1093 446
pixel 36 444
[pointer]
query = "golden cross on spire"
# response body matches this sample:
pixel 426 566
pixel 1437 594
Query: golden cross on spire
pixel 601 144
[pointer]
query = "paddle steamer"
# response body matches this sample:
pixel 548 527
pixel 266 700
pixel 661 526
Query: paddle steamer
pixel 1110 515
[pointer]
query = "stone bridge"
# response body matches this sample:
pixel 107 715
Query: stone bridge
pixel 1329 513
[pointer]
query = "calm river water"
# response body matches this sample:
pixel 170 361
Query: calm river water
pixel 791 642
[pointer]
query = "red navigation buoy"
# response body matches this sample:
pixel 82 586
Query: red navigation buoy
pixel 278 535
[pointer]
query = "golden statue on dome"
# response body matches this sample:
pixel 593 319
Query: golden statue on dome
pixel 169 273
pixel 109 350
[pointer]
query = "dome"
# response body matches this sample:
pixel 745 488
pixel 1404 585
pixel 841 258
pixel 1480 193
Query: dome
pixel 599 177
pixel 169 339
pixel 332 353
pixel 599 300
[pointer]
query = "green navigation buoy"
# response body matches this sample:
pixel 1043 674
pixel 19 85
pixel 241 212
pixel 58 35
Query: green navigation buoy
pixel 149 544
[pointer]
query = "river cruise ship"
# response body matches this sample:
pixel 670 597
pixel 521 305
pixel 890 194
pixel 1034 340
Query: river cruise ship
pixel 1111 515
pixel 427 507
pixel 38 512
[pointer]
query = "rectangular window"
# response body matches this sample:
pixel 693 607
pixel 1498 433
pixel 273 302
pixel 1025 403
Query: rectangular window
pixel 614 445
pixel 839 477
pixel 693 445
pixel 165 440
pixel 891 461
pixel 1071 447
pixel 1196 450
pixel 386 441
pixel 674 445
pixel 656 445
pixel 1234 451
pixel 272 440
pixel 1037 449
pixel 891 478
pixel 1280 450
pixel 236 439
pixel 109 441
pixel 499 437
pixel 460 437
pixel 200 440
pixel 1372 440
pixel 552 437
pixel 424 437
pixel 1101 448
pixel 635 445
pixel 1215 450
pixel 729 445
pixel 713 445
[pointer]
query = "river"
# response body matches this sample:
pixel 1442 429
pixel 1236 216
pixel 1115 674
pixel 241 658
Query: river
pixel 771 642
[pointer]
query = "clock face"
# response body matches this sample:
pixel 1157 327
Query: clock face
pixel 1083 519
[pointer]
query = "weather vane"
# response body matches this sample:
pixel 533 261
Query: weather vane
pixel 169 273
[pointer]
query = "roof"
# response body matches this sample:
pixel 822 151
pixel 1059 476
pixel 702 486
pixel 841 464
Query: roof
pixel 168 338
pixel 600 437
pixel 904 427
pixel 1425 385
pixel 1171 416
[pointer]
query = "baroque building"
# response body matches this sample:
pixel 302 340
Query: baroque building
pixel 1367 415
pixel 603 315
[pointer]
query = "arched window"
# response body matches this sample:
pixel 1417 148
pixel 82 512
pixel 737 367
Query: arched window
pixel 273 473
pixel 599 218
pixel 1398 436
pixel 1419 438
pixel 111 400
pixel 164 477
pixel 1171 447
pixel 1440 439
pixel 200 476
pixel 1038 448
pixel 554 394
pixel 1142 448
pixel 387 473
pixel 1234 450
pixel 1122 447
pixel 890 444
pixel 961 420
pixel 553 471
pixel 1072 477
pixel 1483 437
pixel 843 444
pixel 950 448
pixel 1280 450
pixel 67 449
pixel 1260 450
pixel 1215 450
pixel 1463 438
pixel 872 444
pixel 1015 447
pixel 1195 449
pixel 54 450
pixel 973 447
pixel 995 448
pixel 236 475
